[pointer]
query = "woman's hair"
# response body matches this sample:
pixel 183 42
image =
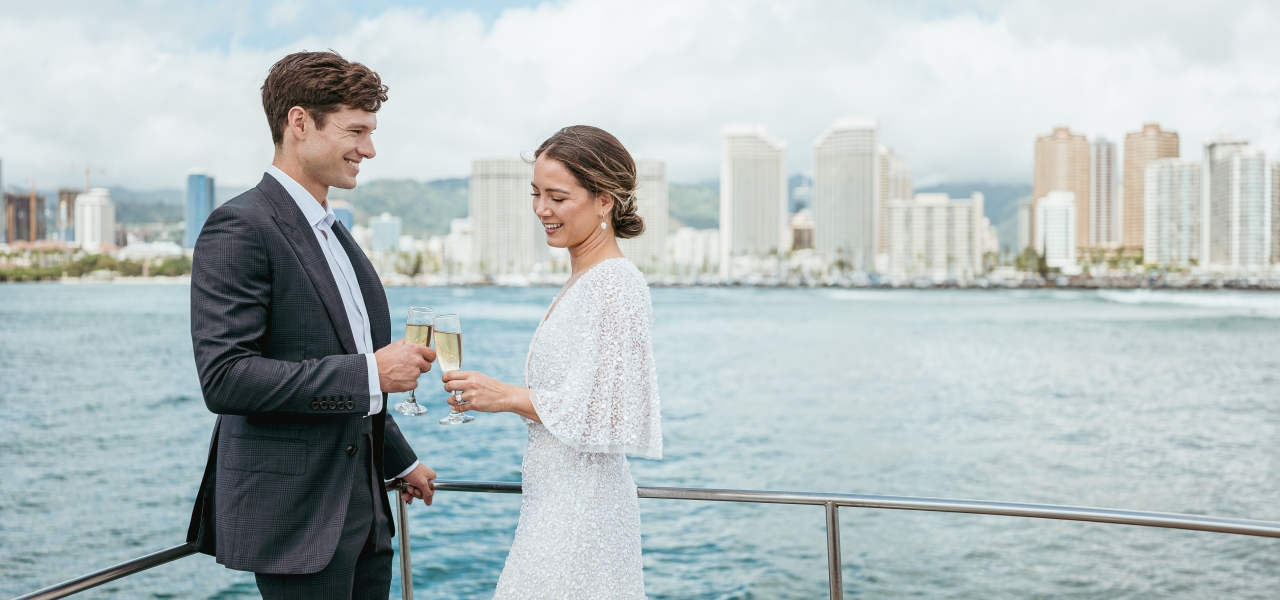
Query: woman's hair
pixel 603 166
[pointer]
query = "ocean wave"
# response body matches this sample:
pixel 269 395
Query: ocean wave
pixel 1236 303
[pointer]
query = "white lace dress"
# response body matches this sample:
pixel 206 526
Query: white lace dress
pixel 592 379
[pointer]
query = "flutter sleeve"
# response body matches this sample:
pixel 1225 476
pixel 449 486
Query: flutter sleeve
pixel 608 399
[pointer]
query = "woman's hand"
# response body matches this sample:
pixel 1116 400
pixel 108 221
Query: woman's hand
pixel 486 394
pixel 481 392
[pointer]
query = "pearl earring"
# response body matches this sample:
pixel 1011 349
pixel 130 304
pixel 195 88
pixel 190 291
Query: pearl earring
pixel 602 225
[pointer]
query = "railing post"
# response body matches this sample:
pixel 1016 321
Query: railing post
pixel 402 530
pixel 833 551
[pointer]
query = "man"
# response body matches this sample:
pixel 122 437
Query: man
pixel 291 334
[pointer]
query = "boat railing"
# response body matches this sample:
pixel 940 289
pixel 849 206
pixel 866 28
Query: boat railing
pixel 831 504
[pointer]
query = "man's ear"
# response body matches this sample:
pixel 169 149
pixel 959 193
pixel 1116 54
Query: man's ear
pixel 298 123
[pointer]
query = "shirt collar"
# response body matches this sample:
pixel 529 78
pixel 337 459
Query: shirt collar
pixel 315 213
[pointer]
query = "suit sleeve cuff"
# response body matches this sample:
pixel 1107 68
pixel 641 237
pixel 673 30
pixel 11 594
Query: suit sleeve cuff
pixel 409 470
pixel 375 387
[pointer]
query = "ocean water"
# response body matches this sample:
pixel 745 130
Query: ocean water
pixel 1165 401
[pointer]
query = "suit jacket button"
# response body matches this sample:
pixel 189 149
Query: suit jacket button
pixel 315 405
pixel 351 404
pixel 351 450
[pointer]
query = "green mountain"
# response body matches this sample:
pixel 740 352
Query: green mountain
pixel 424 208
pixel 1000 204
pixel 694 205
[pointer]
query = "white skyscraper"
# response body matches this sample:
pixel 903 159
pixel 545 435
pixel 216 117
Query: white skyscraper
pixel 1173 212
pixel 1104 206
pixel 846 193
pixel 1236 184
pixel 936 236
pixel 384 233
pixel 649 251
pixel 895 184
pixel 95 220
pixel 1056 230
pixel 753 195
pixel 507 238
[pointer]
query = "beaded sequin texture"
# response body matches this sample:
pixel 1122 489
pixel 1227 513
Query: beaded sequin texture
pixel 592 379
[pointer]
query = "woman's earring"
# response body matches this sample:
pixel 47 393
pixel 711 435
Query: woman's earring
pixel 602 225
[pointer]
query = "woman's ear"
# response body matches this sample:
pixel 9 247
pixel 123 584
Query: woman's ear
pixel 605 201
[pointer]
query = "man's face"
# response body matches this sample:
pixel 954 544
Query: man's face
pixel 331 155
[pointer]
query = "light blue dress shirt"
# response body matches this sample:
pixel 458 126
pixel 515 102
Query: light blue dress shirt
pixel 321 218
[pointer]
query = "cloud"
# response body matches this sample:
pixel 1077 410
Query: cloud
pixel 153 90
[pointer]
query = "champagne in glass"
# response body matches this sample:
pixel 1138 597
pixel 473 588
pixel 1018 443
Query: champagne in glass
pixel 417 330
pixel 449 354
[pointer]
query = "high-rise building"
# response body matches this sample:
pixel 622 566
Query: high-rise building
pixel 694 251
pixel 507 238
pixel 846 193
pixel 1056 221
pixel 24 216
pixel 801 198
pixel 1104 202
pixel 1275 213
pixel 66 215
pixel 1062 164
pixel 95 220
pixel 895 184
pixel 649 251
pixel 936 236
pixel 1140 149
pixel 343 212
pixel 1026 215
pixel 4 221
pixel 802 230
pixel 1236 183
pixel 384 233
pixel 200 192
pixel 753 194
pixel 1173 212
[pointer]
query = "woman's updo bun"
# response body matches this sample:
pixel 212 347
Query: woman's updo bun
pixel 601 165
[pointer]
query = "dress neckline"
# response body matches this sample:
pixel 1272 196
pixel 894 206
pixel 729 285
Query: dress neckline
pixel 556 303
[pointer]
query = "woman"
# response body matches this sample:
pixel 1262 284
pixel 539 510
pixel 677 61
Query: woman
pixel 591 389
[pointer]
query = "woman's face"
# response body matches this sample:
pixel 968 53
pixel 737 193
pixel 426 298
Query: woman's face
pixel 570 214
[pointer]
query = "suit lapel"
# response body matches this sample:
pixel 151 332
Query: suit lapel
pixel 294 226
pixel 375 297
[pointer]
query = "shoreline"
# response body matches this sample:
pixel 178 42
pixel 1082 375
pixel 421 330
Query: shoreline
pixel 1081 285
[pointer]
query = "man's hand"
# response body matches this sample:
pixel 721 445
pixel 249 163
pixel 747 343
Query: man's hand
pixel 400 364
pixel 420 485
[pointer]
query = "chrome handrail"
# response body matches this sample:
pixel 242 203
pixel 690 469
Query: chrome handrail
pixel 831 504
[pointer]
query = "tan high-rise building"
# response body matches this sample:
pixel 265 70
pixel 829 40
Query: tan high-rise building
pixel 1142 148
pixel 1062 164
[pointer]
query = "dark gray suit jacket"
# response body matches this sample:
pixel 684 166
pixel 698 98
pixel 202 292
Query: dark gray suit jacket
pixel 278 364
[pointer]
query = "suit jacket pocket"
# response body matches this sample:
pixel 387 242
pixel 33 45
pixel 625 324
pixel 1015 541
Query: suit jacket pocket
pixel 266 455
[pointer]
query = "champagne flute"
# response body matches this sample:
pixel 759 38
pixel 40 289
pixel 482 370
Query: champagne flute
pixel 449 353
pixel 417 330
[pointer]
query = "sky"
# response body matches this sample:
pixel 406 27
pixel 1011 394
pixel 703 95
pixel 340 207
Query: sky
pixel 146 91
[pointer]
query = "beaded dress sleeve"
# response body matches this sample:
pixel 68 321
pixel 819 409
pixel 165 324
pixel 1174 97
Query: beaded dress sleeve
pixel 598 389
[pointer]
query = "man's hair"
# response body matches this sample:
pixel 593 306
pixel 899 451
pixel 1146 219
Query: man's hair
pixel 321 83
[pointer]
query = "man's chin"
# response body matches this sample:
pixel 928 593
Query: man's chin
pixel 343 183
